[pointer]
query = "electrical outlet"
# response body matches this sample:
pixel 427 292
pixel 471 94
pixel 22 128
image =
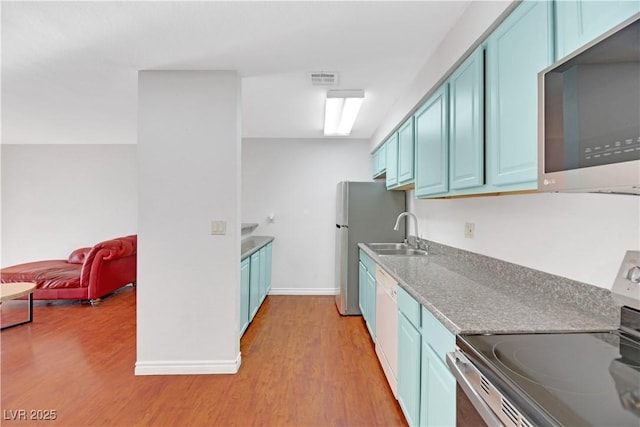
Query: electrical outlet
pixel 218 227
pixel 469 230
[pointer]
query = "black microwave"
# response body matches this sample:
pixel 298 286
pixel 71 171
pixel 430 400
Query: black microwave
pixel 589 116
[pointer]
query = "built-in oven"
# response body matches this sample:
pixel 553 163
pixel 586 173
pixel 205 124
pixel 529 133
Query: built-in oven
pixel 558 379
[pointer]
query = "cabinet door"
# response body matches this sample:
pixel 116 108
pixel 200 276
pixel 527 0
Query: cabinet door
pixel 431 143
pixel 382 159
pixel 438 393
pixel 254 285
pixel 263 274
pixel 392 160
pixel 409 370
pixel 375 163
pixel 516 51
pixel 580 21
pixel 268 264
pixel 405 153
pixel 362 289
pixel 466 123
pixel 244 295
pixel 371 304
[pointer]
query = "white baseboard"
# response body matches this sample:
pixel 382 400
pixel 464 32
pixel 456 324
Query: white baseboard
pixel 303 291
pixel 188 367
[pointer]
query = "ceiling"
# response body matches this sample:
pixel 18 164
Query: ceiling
pixel 69 69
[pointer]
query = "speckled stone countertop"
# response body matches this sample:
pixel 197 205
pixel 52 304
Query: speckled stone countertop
pixel 253 244
pixel 471 293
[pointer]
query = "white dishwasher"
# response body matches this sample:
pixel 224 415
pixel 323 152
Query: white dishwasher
pixel 387 326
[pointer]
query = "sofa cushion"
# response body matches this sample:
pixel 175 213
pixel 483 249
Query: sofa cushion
pixel 50 274
pixel 78 256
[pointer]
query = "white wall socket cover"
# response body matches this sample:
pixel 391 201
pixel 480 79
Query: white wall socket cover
pixel 469 230
pixel 218 227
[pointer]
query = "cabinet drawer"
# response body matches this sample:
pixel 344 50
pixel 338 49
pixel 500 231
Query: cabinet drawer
pixel 368 262
pixel 409 307
pixel 439 338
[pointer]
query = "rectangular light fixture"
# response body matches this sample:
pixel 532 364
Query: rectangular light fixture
pixel 340 111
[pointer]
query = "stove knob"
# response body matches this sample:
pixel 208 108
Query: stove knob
pixel 634 274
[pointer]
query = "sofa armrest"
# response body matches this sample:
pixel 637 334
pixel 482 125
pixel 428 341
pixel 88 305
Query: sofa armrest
pixel 103 252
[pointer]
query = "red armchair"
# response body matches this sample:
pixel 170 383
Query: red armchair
pixel 88 273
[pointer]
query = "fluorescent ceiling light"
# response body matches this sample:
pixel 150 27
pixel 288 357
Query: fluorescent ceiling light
pixel 340 111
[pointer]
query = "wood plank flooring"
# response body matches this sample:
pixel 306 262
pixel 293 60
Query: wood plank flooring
pixel 302 365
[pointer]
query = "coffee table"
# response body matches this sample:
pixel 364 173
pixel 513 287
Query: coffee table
pixel 9 291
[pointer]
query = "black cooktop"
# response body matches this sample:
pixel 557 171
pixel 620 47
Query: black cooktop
pixel 568 379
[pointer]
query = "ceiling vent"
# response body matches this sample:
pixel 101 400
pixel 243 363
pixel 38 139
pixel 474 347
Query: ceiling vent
pixel 324 78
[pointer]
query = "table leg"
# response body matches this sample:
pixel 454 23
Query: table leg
pixel 26 321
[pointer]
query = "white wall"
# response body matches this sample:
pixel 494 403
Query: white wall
pixel 296 181
pixel 189 167
pixel 475 22
pixel 579 236
pixel 57 198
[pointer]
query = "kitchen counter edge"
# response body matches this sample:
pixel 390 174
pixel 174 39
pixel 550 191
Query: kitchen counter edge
pixel 446 294
pixel 252 244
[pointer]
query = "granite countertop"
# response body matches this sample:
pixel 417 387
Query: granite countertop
pixel 476 294
pixel 253 244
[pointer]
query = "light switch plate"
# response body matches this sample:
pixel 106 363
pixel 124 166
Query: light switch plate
pixel 218 227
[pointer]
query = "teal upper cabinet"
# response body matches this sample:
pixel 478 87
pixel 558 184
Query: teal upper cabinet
pixel 431 145
pixel 405 153
pixel 466 123
pixel 516 51
pixel 392 160
pixel 580 21
pixel 379 159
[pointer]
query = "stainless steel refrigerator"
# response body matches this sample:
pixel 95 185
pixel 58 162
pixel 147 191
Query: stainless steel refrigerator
pixel 365 212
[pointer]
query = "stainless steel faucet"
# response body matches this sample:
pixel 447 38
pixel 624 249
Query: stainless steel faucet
pixel 419 241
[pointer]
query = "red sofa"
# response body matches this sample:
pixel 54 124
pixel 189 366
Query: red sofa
pixel 88 273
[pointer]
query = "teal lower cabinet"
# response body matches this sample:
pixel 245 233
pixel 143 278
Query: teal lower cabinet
pixel 371 303
pixel 426 387
pixel 367 292
pixel 408 368
pixel 254 286
pixel 244 295
pixel 362 287
pixel 268 266
pixel 255 283
pixel 263 273
pixel 438 385
pixel 438 393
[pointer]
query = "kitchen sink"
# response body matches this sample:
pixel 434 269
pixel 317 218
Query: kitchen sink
pixel 401 251
pixel 388 246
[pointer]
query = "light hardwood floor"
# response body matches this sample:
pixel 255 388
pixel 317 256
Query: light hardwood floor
pixel 302 365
